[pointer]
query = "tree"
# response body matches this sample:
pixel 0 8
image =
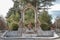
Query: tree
pixel 29 17
pixel 57 22
pixel 3 24
pixel 37 3
pixel 13 15
pixel 45 19
pixel 13 19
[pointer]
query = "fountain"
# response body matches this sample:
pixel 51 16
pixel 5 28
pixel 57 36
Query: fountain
pixel 27 32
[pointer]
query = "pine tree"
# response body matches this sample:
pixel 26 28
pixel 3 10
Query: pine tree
pixel 45 20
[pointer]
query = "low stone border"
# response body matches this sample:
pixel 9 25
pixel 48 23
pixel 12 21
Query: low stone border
pixel 28 38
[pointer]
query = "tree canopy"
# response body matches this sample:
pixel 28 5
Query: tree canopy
pixel 37 3
pixel 45 20
pixel 14 14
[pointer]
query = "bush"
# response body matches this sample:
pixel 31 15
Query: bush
pixel 15 26
pixel 33 25
pixel 45 27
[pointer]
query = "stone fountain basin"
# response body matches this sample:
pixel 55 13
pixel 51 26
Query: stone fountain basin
pixel 10 34
pixel 14 35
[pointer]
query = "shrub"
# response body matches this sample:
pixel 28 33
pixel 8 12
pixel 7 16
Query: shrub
pixel 33 25
pixel 45 27
pixel 15 26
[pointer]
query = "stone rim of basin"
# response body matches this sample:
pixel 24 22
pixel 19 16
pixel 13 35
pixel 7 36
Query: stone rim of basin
pixel 55 36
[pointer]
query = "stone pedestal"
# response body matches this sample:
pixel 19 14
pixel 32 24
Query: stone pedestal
pixel 20 32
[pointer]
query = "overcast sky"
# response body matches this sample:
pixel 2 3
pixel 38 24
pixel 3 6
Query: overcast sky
pixel 55 10
pixel 5 5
